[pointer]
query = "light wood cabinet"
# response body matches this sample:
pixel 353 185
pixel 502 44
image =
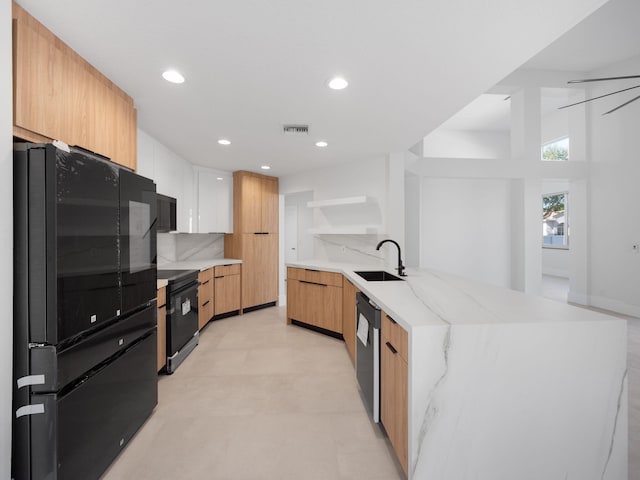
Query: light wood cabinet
pixel 394 386
pixel 255 199
pixel 255 237
pixel 59 95
pixel 162 328
pixel 205 297
pixel 315 298
pixel 227 283
pixel 349 320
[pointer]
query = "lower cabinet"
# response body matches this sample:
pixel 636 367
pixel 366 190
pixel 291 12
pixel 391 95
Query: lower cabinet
pixel 315 298
pixel 162 328
pixel 349 315
pixel 205 297
pixel 226 289
pixel 394 386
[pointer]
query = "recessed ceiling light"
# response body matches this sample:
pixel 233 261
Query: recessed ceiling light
pixel 265 167
pixel 338 83
pixel 321 144
pixel 173 76
pixel 224 141
pixel 219 178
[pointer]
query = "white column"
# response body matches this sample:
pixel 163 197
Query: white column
pixel 526 253
pixel 6 237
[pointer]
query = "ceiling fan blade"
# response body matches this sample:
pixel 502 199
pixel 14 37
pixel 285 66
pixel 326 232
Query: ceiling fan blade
pixel 623 105
pixel 595 98
pixel 603 79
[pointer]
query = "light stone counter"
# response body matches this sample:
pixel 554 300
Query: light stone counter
pixel 197 264
pixel 162 283
pixel 503 385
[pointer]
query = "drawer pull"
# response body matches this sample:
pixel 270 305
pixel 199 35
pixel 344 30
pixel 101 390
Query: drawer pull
pixel 313 283
pixel 261 233
pixel 204 283
pixel 392 320
pixel 390 347
pixel 221 276
pixel 205 303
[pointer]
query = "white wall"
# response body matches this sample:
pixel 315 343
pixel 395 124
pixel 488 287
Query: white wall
pixel 445 143
pixel 466 228
pixel 173 175
pixel 6 237
pixel 614 280
pixel 339 181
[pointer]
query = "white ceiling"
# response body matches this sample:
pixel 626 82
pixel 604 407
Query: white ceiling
pixel 252 65
pixel 610 35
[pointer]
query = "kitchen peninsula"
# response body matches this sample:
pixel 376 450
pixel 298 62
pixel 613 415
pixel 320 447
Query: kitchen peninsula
pixel 503 385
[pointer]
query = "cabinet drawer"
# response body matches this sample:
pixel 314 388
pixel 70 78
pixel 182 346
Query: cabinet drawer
pixel 315 276
pixel 205 275
pixel 397 336
pixel 162 297
pixel 224 270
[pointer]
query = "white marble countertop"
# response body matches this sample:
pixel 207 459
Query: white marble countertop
pixel 430 298
pixel 162 282
pixel 198 264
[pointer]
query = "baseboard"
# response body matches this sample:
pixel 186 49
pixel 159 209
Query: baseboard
pixel 578 298
pixel 615 306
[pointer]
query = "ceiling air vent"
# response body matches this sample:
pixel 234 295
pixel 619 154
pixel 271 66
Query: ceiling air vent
pixel 295 130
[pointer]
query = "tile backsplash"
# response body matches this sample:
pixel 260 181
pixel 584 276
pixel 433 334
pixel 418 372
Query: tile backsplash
pixel 356 249
pixel 176 247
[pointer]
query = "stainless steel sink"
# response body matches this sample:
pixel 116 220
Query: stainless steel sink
pixel 378 276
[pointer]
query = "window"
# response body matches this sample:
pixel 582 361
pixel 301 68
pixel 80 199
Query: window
pixel 555 231
pixel 556 151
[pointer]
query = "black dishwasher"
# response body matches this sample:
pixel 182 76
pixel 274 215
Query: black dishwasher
pixel 368 353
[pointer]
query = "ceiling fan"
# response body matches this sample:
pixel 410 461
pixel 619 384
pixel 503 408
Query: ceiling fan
pixel 606 94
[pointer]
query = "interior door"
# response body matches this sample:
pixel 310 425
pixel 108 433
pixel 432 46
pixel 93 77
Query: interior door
pixel 291 233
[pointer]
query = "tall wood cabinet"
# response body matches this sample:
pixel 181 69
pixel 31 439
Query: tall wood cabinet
pixel 255 237
pixel 59 95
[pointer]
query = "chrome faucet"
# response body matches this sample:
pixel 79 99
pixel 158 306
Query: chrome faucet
pixel 400 265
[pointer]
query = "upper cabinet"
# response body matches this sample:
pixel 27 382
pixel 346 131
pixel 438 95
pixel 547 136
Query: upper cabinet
pixel 60 96
pixel 215 195
pixel 257 199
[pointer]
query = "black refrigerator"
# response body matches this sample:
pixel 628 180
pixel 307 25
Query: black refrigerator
pixel 85 375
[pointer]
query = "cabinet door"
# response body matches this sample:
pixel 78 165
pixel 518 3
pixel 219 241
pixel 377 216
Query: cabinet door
pixel 394 399
pixel 41 77
pixel 295 300
pixel 269 205
pixel 349 291
pixel 247 199
pixel 317 304
pixel 214 202
pixel 205 297
pixel 259 269
pixel 227 294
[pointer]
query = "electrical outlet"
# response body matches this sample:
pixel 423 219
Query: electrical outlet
pixel 635 248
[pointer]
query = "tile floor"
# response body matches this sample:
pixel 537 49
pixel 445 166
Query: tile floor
pixel 556 288
pixel 258 399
